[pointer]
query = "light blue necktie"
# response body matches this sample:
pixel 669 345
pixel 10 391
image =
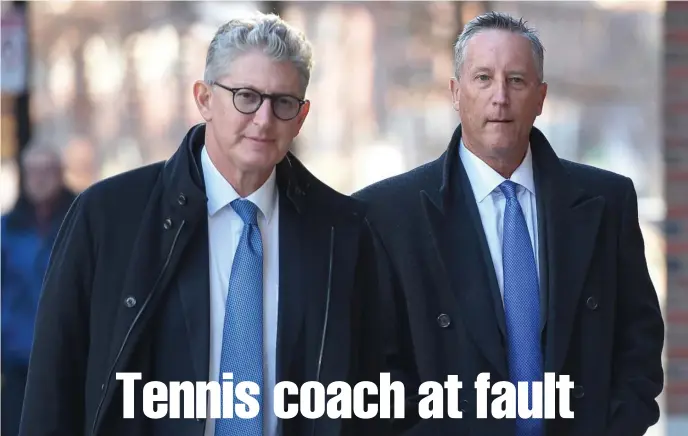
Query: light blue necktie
pixel 242 338
pixel 521 304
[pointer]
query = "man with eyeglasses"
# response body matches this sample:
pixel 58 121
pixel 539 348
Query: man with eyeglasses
pixel 230 257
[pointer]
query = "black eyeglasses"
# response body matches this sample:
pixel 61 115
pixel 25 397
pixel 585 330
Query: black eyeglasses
pixel 248 101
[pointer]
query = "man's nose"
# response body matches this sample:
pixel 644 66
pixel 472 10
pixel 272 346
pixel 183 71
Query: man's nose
pixel 264 113
pixel 500 95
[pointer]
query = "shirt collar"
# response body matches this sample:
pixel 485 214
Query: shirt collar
pixel 484 180
pixel 220 193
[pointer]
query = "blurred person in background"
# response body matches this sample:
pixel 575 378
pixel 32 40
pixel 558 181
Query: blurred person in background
pixel 511 261
pixel 230 257
pixel 27 235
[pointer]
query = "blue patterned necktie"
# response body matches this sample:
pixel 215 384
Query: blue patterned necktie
pixel 521 304
pixel 242 337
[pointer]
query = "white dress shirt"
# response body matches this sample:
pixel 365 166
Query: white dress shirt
pixel 224 231
pixel 491 202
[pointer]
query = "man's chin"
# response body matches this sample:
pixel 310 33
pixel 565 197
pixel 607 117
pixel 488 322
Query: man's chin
pixel 499 136
pixel 260 160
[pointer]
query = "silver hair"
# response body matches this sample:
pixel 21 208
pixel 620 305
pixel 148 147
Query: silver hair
pixel 265 32
pixel 498 21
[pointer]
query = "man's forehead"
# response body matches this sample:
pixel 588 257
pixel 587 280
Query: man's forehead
pixel 500 46
pixel 264 74
pixel 269 87
pixel 488 41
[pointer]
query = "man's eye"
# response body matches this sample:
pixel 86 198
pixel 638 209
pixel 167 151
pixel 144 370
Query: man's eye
pixel 483 77
pixel 246 95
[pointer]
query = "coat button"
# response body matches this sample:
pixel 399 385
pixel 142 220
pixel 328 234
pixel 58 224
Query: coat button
pixel 591 303
pixel 130 302
pixel 464 406
pixel 167 224
pixel 578 391
pixel 181 199
pixel 443 320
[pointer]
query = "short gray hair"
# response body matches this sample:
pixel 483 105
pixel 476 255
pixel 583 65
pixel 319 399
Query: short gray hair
pixel 498 21
pixel 265 32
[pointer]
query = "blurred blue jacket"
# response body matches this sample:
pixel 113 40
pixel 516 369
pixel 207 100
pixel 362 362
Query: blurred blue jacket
pixel 26 248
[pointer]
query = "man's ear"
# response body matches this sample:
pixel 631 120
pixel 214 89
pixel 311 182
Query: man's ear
pixel 301 117
pixel 203 96
pixel 454 89
pixel 543 95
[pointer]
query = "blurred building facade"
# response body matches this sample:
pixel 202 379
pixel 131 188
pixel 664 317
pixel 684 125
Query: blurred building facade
pixel 111 85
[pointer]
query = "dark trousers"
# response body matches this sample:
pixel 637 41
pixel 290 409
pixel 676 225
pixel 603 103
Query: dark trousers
pixel 12 391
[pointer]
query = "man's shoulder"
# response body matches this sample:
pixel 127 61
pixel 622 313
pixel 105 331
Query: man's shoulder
pixel 405 185
pixel 321 196
pixel 595 179
pixel 130 178
pixel 324 197
pixel 122 191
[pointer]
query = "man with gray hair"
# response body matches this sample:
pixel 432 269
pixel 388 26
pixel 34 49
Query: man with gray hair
pixel 510 261
pixel 228 263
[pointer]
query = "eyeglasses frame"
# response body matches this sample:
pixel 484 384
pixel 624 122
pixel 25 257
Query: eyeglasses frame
pixel 263 97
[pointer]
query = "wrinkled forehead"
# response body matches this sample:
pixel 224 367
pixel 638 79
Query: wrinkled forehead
pixel 264 74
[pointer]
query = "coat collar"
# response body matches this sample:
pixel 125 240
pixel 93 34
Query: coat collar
pixel 184 184
pixel 546 163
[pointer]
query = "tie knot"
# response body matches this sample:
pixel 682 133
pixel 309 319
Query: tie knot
pixel 246 210
pixel 508 189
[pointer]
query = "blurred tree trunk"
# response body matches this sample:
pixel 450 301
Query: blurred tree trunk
pixel 22 100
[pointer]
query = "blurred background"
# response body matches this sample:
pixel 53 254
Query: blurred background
pixel 109 84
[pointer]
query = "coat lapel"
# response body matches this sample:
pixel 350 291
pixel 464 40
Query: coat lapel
pixel 291 284
pixel 456 236
pixel 473 218
pixel 194 291
pixel 542 252
pixel 304 253
pixel 572 220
